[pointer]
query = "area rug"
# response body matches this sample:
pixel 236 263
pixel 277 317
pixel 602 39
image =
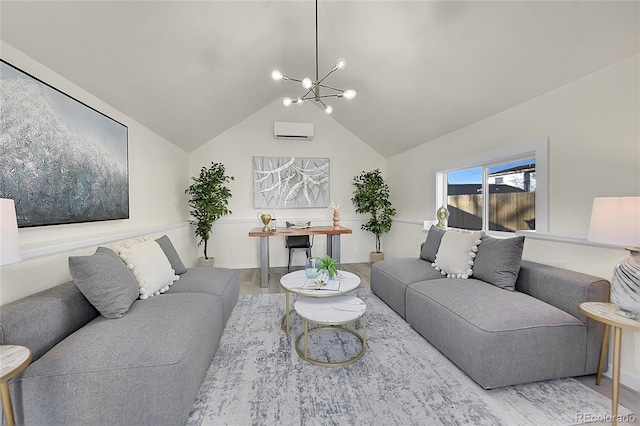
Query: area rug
pixel 257 378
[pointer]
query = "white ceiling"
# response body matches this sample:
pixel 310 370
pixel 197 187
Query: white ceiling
pixel 191 70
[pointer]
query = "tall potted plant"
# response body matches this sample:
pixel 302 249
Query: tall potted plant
pixel 371 196
pixel 209 201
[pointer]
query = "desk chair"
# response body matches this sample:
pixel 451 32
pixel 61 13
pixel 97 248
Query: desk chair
pixel 297 242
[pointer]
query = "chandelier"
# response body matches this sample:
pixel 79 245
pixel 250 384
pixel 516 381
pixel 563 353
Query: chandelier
pixel 313 86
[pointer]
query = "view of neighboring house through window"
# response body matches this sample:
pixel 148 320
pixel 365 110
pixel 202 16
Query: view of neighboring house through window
pixel 495 197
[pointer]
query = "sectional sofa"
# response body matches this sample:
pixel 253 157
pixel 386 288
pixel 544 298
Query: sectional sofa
pixel 144 366
pixel 501 320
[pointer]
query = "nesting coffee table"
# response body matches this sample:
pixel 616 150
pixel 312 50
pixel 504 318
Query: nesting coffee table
pixel 294 281
pixel 330 313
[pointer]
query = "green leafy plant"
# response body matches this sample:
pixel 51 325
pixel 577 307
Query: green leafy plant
pixel 209 200
pixel 371 196
pixel 330 264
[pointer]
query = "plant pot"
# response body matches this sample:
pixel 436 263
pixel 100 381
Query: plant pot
pixel 205 263
pixel 376 256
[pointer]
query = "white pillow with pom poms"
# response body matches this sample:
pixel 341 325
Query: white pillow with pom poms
pixel 148 264
pixel 456 254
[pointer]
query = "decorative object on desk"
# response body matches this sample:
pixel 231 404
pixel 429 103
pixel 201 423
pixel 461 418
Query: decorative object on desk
pixel 371 196
pixel 265 219
pixel 336 213
pixel 209 201
pixel 290 182
pixel 616 220
pixel 330 264
pixel 298 225
pixel 312 87
pixel 62 161
pixel 311 267
pixel 9 240
pixel 443 216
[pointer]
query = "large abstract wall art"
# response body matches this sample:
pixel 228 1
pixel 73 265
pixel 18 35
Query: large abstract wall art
pixel 290 182
pixel 62 161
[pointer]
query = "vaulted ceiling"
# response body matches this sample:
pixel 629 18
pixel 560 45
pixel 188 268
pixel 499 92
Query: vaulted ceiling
pixel 189 70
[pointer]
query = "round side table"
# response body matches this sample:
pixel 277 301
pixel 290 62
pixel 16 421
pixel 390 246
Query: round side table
pixel 330 313
pixel 606 314
pixel 13 359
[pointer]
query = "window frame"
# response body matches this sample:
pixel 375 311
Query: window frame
pixel 537 149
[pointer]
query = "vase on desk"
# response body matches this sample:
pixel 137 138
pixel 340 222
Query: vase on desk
pixel 336 219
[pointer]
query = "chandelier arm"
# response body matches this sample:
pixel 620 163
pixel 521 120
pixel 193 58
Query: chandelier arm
pixel 328 74
pixel 332 88
pixel 294 79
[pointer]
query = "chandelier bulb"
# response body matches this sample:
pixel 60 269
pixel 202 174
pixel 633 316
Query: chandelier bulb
pixel 286 101
pixel 328 109
pixel 276 75
pixel 307 83
pixel 349 94
pixel 342 62
pixel 299 101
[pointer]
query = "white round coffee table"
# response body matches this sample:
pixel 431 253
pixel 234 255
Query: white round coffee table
pixel 330 313
pixel 294 281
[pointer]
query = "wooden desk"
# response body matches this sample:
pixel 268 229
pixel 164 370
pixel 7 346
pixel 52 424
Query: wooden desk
pixel 333 243
pixel 606 314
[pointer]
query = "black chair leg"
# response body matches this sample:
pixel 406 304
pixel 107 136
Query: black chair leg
pixel 289 266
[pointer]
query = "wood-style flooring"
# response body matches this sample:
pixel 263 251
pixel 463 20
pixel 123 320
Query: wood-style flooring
pixel 250 284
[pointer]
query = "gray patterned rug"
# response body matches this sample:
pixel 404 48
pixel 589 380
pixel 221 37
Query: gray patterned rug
pixel 257 378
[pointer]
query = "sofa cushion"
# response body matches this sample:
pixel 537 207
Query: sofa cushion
pixel 149 364
pixel 429 248
pixel 390 278
pixel 149 265
pixel 456 253
pixel 105 281
pixel 221 282
pixel 172 255
pixel 498 261
pixel 498 337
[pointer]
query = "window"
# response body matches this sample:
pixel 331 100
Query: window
pixel 504 191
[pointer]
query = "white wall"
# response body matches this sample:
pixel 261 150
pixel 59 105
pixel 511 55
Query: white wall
pixel 593 126
pixel 348 156
pixel 158 175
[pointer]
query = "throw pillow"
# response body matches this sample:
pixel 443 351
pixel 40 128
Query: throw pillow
pixel 456 253
pixel 149 266
pixel 105 281
pixel 429 248
pixel 172 255
pixel 498 261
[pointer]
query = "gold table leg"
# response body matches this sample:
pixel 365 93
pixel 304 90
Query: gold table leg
pixel 617 343
pixel 6 403
pixel 306 339
pixel 603 353
pixel 287 314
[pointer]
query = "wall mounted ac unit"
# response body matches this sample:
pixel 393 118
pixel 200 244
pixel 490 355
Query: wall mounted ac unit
pixel 295 131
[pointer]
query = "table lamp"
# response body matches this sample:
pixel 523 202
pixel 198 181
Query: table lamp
pixel 616 221
pixel 9 242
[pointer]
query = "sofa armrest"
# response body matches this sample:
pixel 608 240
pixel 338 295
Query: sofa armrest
pixel 561 288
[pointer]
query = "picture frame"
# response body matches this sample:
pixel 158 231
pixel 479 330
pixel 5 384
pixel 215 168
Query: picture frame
pixel 62 161
pixel 290 182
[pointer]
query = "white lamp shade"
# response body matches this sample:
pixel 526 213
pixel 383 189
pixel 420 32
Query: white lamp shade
pixel 9 242
pixel 616 220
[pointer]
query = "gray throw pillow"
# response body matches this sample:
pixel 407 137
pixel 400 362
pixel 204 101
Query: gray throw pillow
pixel 429 248
pixel 498 261
pixel 171 253
pixel 105 281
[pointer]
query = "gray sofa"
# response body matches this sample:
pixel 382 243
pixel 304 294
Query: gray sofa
pixel 499 337
pixel 145 368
